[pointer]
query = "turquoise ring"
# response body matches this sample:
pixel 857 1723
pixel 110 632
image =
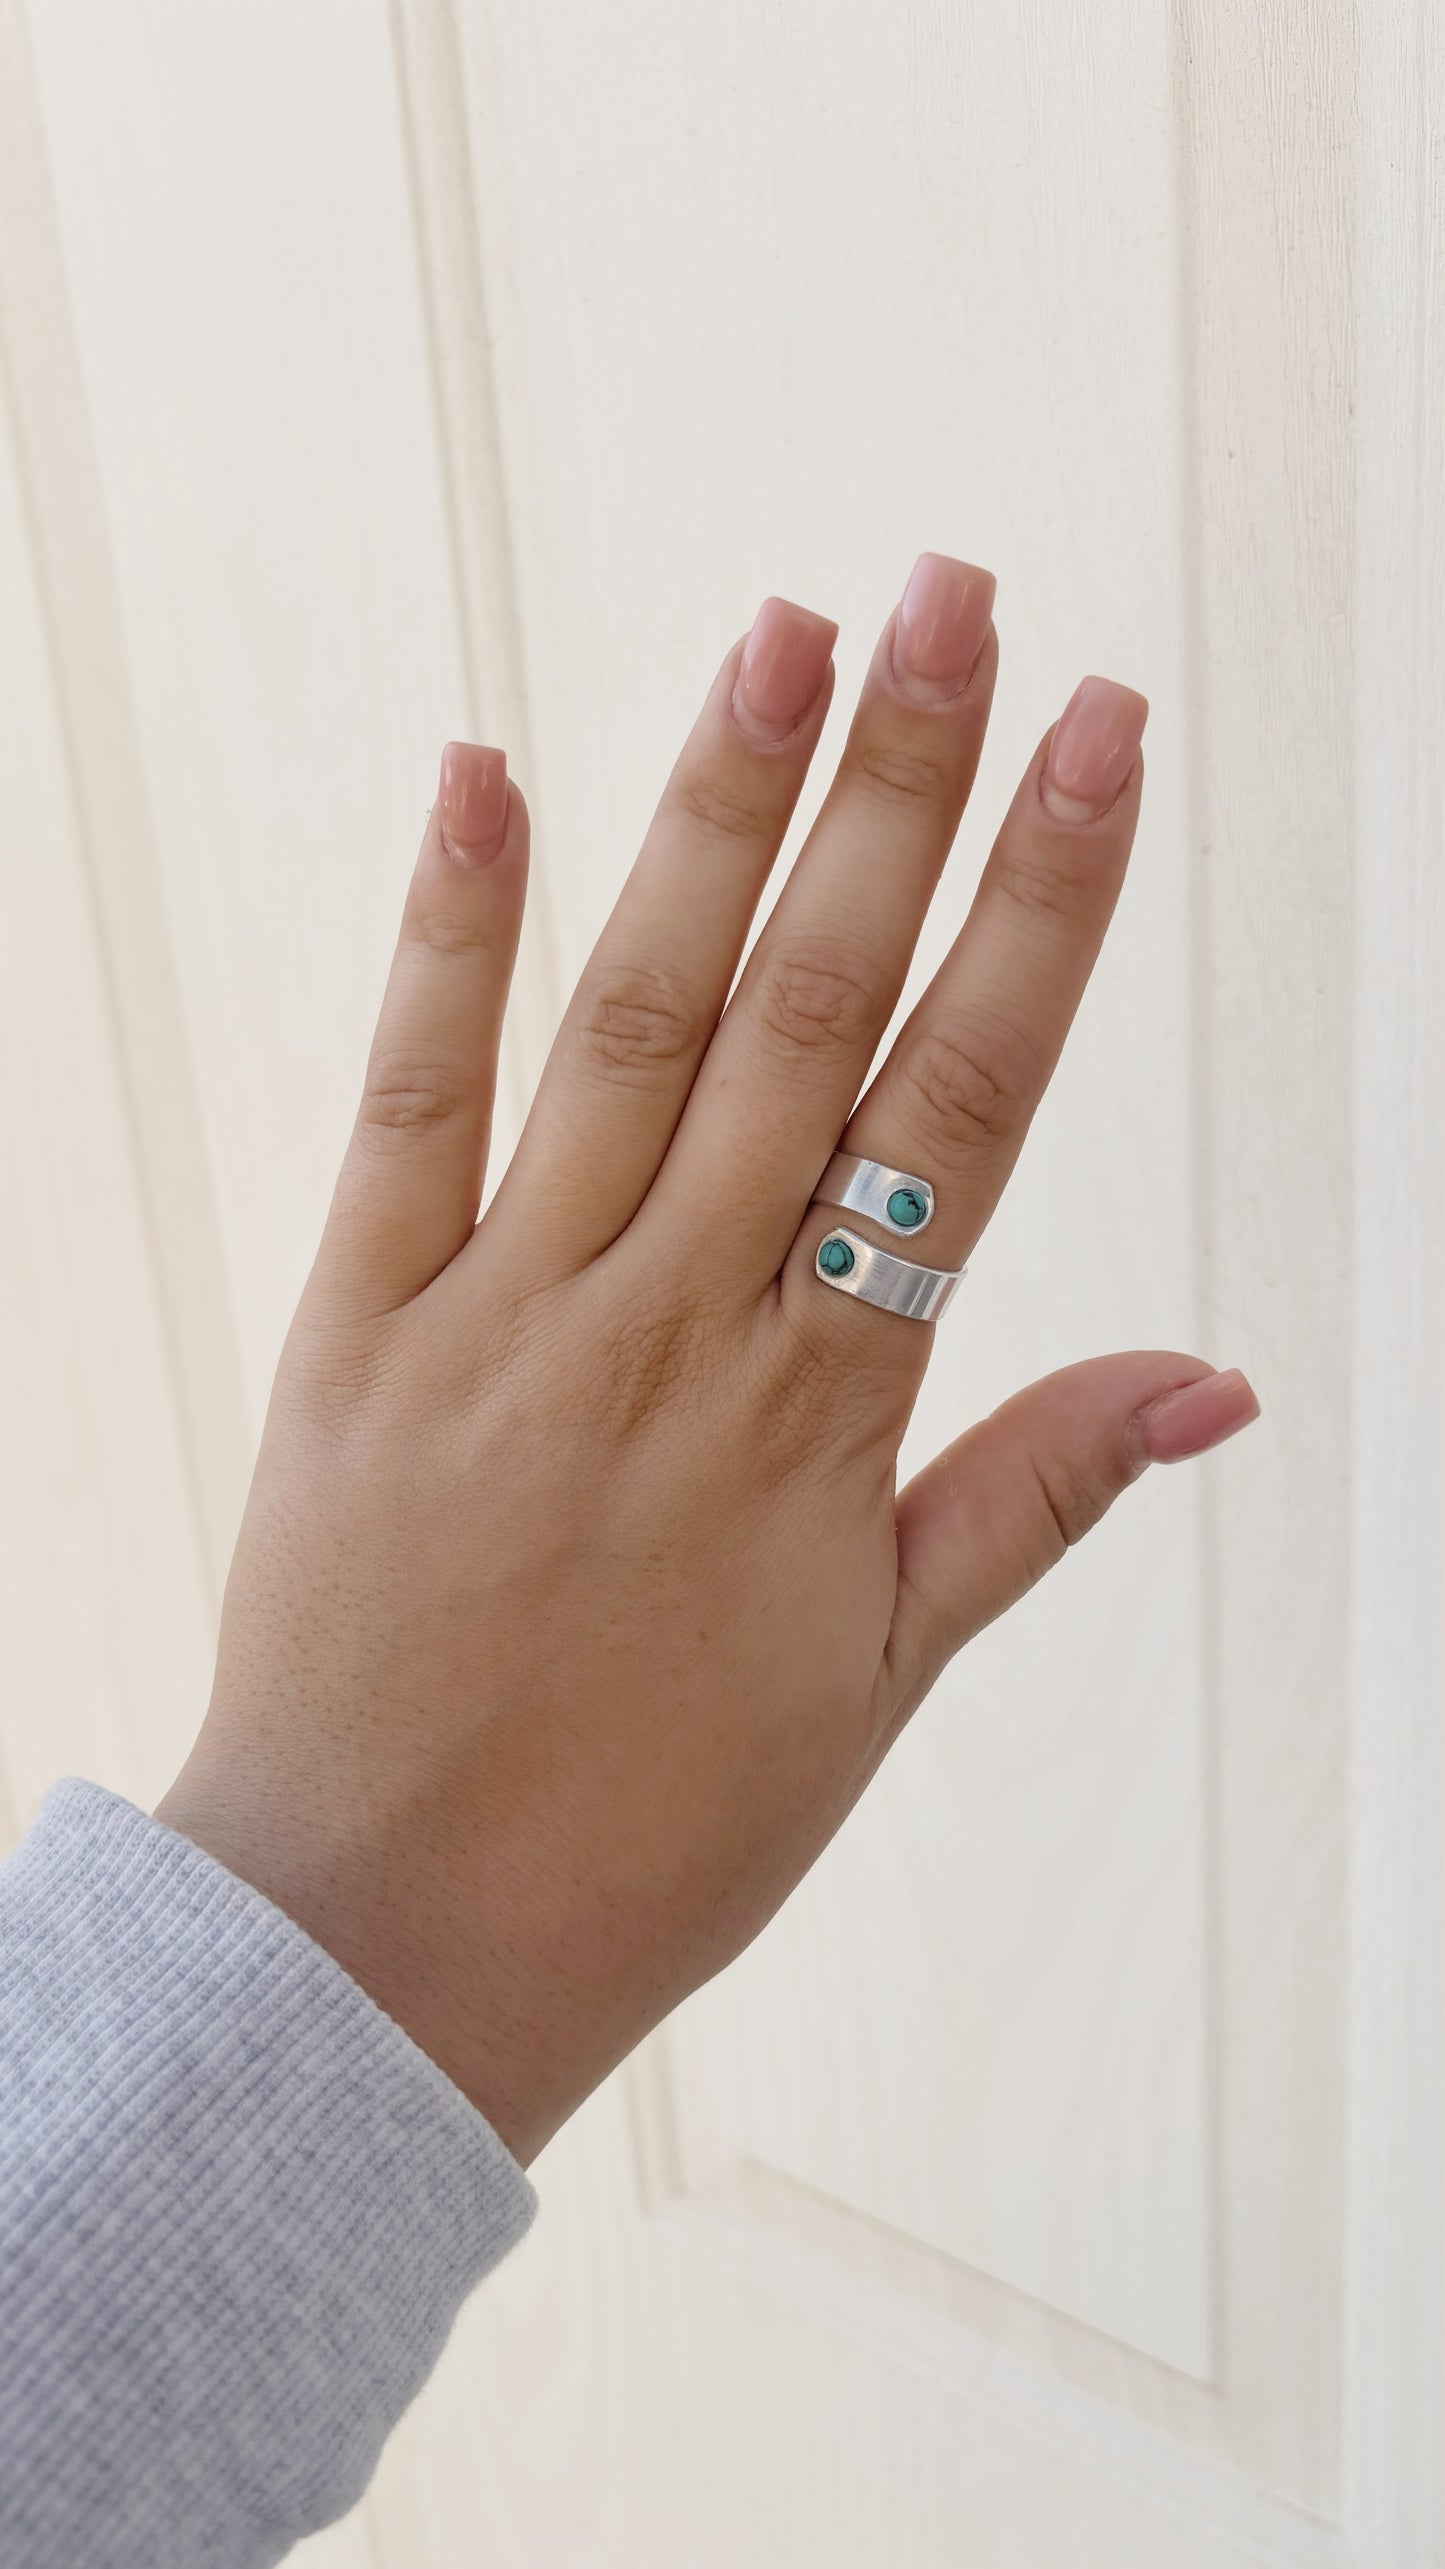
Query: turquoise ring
pixel 899 1203
pixel 853 1265
pixel 892 1198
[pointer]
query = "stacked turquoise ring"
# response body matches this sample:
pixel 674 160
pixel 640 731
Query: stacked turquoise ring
pixel 897 1202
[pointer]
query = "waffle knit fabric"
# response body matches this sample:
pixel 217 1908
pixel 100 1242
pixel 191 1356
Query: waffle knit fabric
pixel 239 2209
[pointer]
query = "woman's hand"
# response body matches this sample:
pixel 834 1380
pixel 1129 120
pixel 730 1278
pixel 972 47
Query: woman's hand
pixel 574 1606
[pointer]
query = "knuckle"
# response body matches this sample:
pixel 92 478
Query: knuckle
pixel 723 809
pixel 634 1021
pixel 818 999
pixel 648 1360
pixel 1045 883
pixel 450 932
pixel 411 1096
pixel 1073 1498
pixel 959 1090
pixel 901 771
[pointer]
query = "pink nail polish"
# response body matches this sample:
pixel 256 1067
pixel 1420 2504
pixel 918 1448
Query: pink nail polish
pixel 785 660
pixel 1195 1418
pixel 1095 743
pixel 472 800
pixel 942 626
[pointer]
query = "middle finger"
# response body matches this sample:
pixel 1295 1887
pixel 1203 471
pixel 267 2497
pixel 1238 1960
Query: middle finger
pixel 787 1062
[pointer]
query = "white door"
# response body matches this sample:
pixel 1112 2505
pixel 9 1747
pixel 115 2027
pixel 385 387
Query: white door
pixel 1061 2180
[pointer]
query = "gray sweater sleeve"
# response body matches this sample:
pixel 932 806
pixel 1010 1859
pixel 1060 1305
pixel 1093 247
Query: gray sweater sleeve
pixel 238 2208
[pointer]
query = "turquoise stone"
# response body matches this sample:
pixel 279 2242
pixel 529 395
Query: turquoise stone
pixel 835 1257
pixel 906 1207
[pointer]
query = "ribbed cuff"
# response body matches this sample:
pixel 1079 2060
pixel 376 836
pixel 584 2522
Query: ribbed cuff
pixel 239 2209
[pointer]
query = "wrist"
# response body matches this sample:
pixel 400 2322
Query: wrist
pixel 455 1966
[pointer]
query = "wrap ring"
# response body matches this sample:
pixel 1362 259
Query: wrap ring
pixel 890 1197
pixel 898 1203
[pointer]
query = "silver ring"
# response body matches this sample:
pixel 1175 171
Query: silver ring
pixel 851 1265
pixel 890 1197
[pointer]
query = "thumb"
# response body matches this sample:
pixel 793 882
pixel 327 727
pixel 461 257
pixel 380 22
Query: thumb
pixel 983 1522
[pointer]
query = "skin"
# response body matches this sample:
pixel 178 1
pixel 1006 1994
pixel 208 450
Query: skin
pixel 575 1604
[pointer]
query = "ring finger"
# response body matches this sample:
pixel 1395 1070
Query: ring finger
pixel 954 1099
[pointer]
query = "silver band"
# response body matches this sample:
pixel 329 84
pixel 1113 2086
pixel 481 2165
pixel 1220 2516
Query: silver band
pixel 900 1203
pixel 876 1276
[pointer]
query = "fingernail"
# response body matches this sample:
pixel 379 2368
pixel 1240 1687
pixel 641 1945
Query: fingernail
pixel 1191 1421
pixel 785 660
pixel 1095 743
pixel 941 627
pixel 472 800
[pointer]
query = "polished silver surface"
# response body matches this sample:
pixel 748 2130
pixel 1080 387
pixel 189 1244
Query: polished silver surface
pixel 891 1284
pixel 867 1186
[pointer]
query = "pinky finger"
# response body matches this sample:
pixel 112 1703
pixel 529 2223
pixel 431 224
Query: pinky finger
pixel 984 1521
pixel 407 1197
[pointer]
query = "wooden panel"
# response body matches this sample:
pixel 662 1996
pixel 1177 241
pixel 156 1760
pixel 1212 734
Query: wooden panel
pixel 262 414
pixel 643 2390
pixel 119 1497
pixel 1394 2455
pixel 104 1610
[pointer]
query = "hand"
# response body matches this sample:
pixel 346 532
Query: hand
pixel 574 1605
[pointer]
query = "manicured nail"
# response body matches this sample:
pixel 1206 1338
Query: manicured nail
pixel 785 660
pixel 472 800
pixel 1189 1422
pixel 1095 743
pixel 942 626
